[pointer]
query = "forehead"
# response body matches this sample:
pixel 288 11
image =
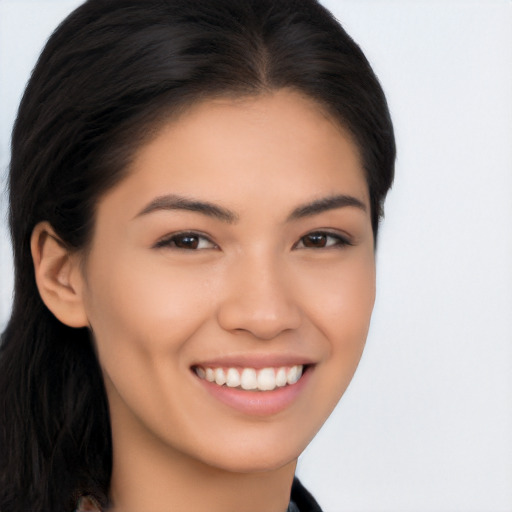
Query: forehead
pixel 237 148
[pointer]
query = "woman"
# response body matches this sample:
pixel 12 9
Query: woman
pixel 195 191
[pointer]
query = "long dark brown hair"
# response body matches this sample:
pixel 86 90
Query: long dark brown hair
pixel 111 73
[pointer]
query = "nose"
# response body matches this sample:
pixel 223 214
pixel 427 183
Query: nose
pixel 259 300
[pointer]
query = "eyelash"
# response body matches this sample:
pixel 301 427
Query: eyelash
pixel 339 240
pixel 172 241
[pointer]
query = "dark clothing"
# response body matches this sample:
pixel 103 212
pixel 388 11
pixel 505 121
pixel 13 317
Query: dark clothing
pixel 302 499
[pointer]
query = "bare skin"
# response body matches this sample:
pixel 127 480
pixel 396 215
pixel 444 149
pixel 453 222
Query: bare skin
pixel 276 268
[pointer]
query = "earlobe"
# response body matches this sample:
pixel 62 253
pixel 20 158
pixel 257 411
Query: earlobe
pixel 58 276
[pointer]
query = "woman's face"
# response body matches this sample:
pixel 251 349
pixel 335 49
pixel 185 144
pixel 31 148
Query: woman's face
pixel 239 247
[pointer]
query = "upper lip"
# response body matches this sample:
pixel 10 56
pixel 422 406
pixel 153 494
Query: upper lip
pixel 256 361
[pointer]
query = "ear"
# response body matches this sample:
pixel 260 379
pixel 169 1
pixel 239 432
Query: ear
pixel 58 276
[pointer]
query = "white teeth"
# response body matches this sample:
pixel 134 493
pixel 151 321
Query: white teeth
pixel 249 380
pixel 294 374
pixel 233 378
pixel 220 376
pixel 281 379
pixel 265 379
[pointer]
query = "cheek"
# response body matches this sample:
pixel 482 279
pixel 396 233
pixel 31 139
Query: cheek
pixel 352 311
pixel 341 304
pixel 142 321
pixel 340 297
pixel 143 309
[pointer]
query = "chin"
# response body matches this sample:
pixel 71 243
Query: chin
pixel 249 464
pixel 248 454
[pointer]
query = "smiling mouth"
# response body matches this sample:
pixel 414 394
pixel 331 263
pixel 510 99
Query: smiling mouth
pixel 251 379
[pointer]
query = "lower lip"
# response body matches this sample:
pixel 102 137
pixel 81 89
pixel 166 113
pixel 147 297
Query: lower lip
pixel 258 403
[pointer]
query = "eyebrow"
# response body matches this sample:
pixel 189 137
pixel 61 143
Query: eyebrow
pixel 325 204
pixel 177 202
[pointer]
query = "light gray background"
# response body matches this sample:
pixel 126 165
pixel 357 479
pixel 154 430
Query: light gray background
pixel 426 425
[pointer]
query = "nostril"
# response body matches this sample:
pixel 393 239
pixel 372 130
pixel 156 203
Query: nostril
pixel 257 320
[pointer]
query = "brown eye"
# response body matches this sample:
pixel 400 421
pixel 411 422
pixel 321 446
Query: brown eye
pixel 188 241
pixel 315 240
pixel 322 240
